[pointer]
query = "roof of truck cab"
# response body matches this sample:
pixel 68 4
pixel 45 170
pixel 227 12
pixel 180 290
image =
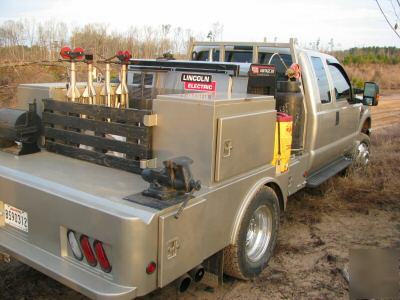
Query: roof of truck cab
pixel 312 52
pixel 260 49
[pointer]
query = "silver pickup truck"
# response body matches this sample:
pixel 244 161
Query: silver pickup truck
pixel 184 181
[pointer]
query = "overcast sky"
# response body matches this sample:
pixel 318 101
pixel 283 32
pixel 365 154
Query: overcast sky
pixel 349 22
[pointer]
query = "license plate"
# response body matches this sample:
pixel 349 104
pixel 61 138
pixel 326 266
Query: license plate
pixel 16 218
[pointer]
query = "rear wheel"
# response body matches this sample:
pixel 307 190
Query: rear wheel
pixel 256 238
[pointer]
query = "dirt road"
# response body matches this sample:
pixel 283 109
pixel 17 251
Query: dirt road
pixel 387 113
pixel 317 231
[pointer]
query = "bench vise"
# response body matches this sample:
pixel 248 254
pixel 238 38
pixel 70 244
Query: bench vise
pixel 174 180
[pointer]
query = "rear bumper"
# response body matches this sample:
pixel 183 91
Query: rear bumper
pixel 63 271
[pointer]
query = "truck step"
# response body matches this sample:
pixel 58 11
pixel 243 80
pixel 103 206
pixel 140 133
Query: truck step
pixel 320 176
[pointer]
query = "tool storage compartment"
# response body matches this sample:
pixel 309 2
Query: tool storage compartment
pixel 224 134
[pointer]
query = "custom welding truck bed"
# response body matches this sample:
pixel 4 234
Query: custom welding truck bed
pixel 188 178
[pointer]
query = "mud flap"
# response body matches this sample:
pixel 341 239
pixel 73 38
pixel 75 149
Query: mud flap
pixel 214 266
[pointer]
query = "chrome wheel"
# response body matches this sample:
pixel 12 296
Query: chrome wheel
pixel 259 233
pixel 362 157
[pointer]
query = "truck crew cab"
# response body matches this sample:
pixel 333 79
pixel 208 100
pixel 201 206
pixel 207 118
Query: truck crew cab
pixel 184 179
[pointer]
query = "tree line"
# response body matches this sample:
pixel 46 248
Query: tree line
pixel 27 40
pixel 369 55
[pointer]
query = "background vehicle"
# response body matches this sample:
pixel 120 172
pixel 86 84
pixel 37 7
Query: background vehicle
pixel 210 127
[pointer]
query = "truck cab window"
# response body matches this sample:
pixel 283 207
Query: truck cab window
pixel 342 87
pixel 322 79
pixel 204 55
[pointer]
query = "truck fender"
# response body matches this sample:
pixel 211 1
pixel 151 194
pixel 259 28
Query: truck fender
pixel 365 123
pixel 265 181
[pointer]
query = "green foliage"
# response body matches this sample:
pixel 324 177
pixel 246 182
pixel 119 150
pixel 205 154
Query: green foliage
pixel 357 82
pixel 369 55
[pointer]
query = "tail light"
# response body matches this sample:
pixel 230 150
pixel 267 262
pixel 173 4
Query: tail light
pixel 73 243
pixel 87 251
pixel 102 256
pixel 151 267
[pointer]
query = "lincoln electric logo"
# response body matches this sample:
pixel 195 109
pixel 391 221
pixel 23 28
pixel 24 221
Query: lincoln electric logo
pixel 198 82
pixel 196 78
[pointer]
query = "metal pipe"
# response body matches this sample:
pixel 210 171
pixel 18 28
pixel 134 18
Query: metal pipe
pixel 106 90
pixel 183 283
pixel 197 273
pixel 255 54
pixel 73 92
pixel 108 85
pixel 90 92
pixel 122 89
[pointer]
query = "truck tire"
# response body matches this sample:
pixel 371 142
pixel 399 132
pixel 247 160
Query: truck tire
pixel 256 238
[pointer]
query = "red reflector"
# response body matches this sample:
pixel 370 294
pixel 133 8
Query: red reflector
pixel 102 256
pixel 151 267
pixel 87 250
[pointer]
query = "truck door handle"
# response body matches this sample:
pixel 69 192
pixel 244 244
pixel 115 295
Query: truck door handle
pixel 337 118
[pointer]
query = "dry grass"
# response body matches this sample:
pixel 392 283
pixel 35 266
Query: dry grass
pixel 379 184
pixel 387 76
pixel 359 189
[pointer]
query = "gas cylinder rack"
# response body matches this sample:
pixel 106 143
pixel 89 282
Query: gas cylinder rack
pixel 103 132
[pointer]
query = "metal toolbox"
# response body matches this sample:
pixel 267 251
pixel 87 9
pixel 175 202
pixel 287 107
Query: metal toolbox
pixel 220 132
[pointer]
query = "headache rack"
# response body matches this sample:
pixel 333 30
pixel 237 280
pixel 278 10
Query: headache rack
pixel 113 137
pixel 184 66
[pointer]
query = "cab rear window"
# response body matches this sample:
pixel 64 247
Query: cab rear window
pixel 239 56
pixel 204 55
pixel 247 57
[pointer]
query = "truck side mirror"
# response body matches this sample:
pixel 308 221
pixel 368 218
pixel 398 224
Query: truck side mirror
pixel 371 94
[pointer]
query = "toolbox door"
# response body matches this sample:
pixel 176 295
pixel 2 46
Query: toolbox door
pixel 244 142
pixel 183 242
